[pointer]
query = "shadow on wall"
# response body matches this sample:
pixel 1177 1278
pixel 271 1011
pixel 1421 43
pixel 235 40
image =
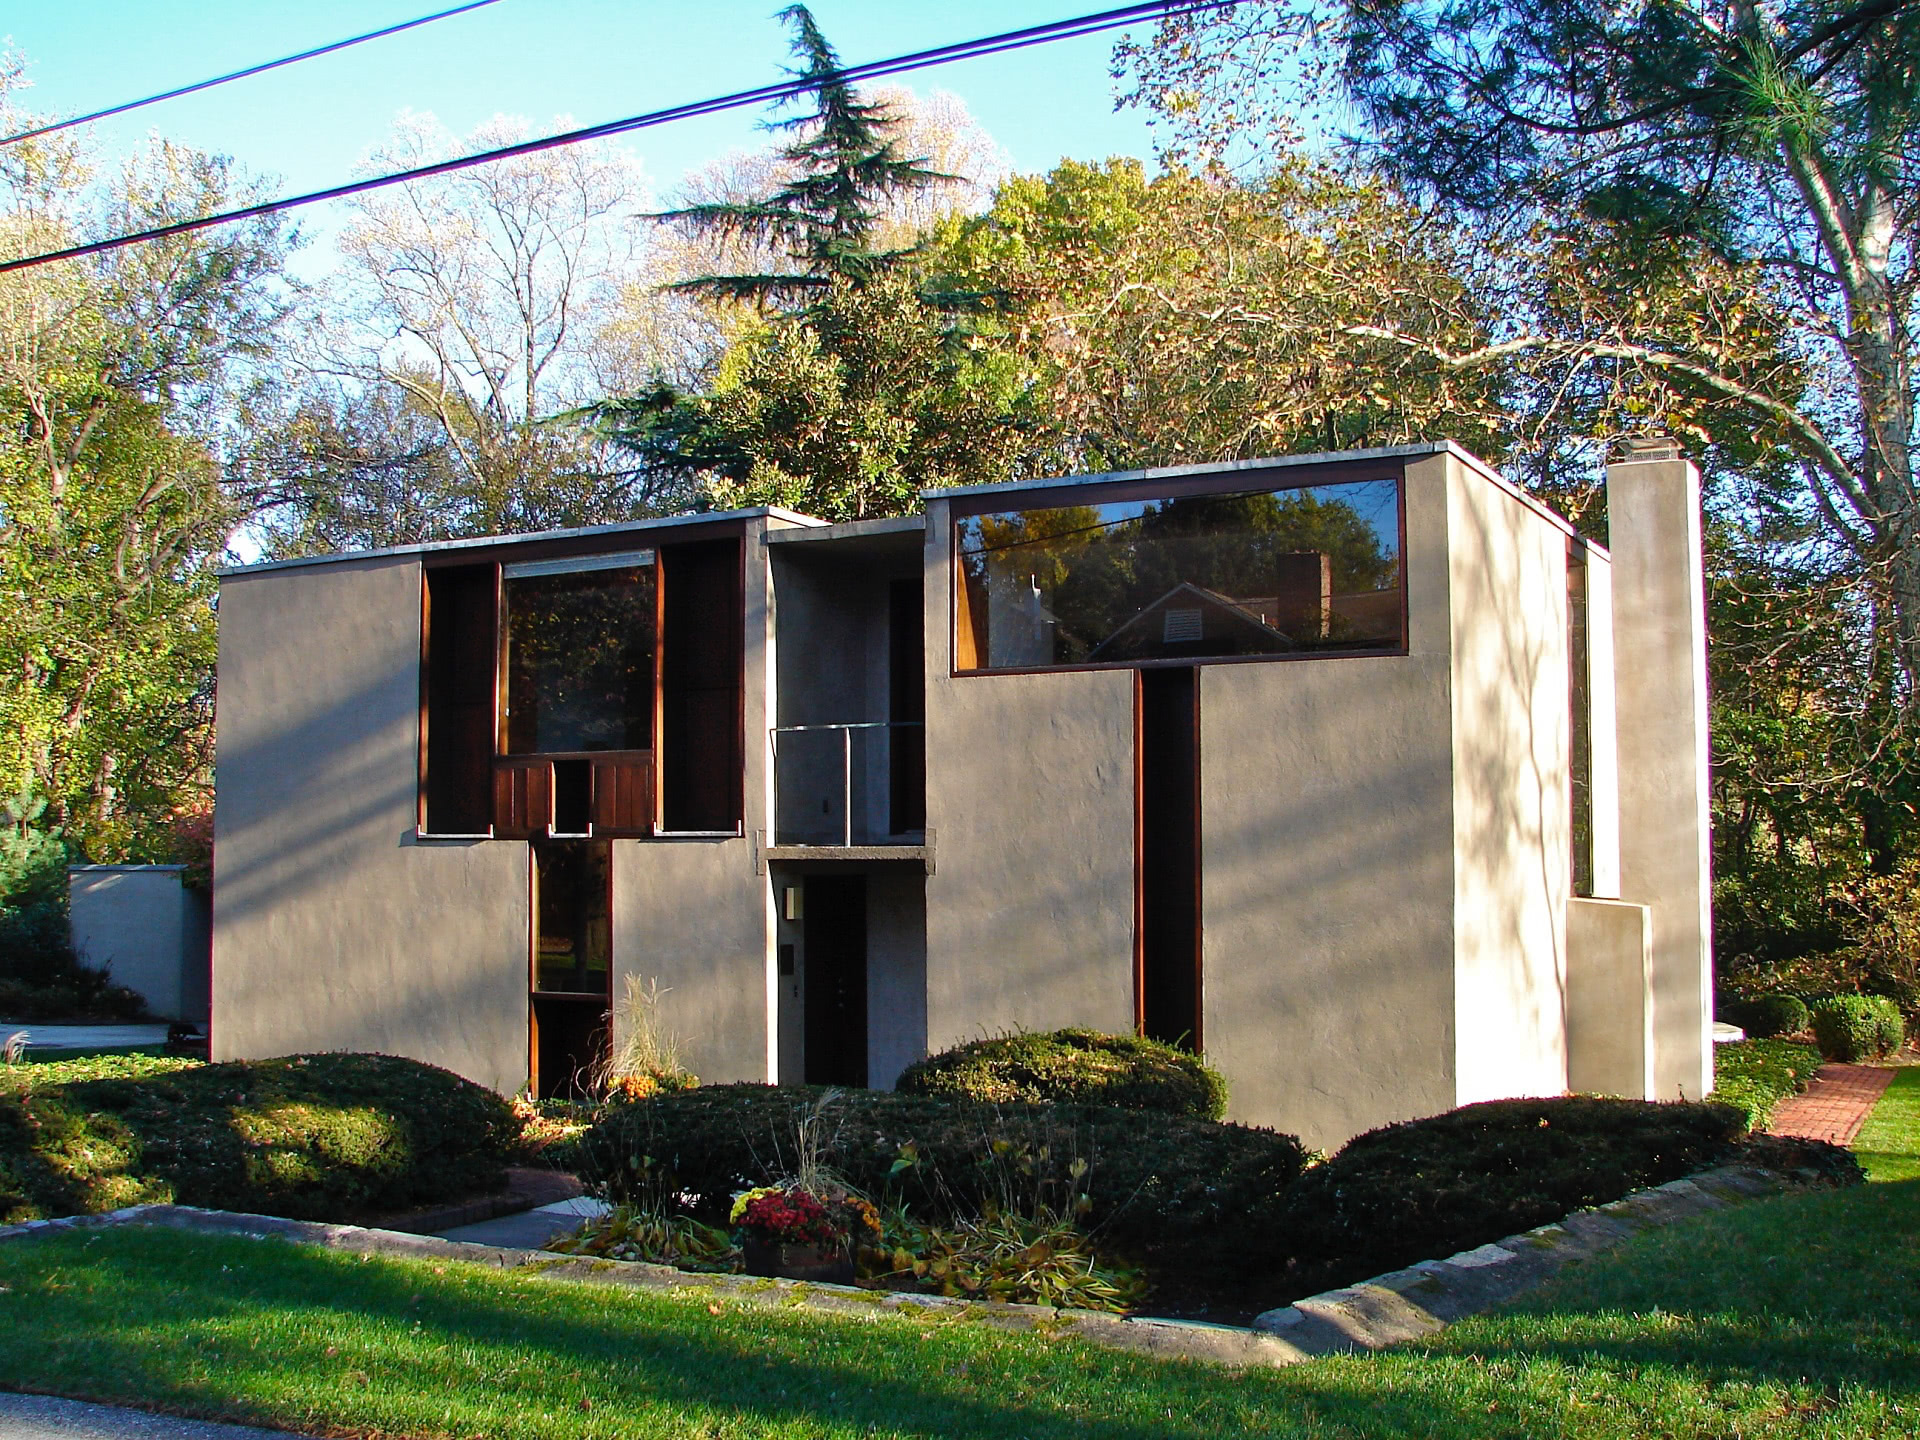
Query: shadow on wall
pixel 323 898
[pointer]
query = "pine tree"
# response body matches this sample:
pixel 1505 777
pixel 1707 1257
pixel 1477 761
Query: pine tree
pixel 826 215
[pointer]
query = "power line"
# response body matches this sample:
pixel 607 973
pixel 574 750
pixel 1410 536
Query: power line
pixel 243 74
pixel 919 60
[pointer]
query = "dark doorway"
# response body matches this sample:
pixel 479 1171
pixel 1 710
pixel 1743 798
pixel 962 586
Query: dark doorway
pixel 836 980
pixel 906 707
pixel 572 969
pixel 1168 740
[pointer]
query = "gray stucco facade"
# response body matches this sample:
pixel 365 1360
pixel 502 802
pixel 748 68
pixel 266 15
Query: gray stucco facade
pixel 1381 837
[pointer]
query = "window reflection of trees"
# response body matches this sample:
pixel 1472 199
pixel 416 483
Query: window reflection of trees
pixel 580 662
pixel 1057 586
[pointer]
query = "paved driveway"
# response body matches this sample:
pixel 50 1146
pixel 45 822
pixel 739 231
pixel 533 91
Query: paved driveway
pixel 40 1417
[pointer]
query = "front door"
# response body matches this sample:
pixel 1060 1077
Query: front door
pixel 836 980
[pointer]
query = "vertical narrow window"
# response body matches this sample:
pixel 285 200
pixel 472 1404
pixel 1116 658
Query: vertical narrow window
pixel 702 635
pixel 458 710
pixel 572 981
pixel 1168 741
pixel 1580 731
pixel 906 708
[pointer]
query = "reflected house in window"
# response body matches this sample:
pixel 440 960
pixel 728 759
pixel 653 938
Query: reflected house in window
pixel 1361 773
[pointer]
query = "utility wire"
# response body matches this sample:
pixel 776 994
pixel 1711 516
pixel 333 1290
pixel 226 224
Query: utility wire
pixel 918 60
pixel 243 74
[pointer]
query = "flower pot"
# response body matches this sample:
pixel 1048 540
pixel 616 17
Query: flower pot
pixel 824 1264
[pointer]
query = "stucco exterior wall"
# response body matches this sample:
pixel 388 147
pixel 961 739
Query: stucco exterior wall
pixel 334 929
pixel 147 930
pixel 692 915
pixel 896 972
pixel 1610 999
pixel 1030 798
pixel 1653 513
pixel 1327 960
pixel 1511 801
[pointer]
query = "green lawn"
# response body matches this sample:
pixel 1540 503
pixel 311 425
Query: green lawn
pixel 43 1057
pixel 1791 1317
pixel 1889 1143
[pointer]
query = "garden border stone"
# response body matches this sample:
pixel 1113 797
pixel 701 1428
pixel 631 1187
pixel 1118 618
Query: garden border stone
pixel 1403 1305
pixel 1425 1298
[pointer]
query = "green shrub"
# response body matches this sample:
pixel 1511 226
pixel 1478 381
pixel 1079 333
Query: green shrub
pixel 1075 1067
pixel 1429 1188
pixel 1754 1076
pixel 1150 1177
pixel 308 1136
pixel 1765 1016
pixel 1857 1027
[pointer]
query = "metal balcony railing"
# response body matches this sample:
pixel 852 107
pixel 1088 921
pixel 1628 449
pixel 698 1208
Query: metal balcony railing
pixel 841 784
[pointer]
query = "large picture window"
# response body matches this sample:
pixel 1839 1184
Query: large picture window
pixel 1270 572
pixel 580 655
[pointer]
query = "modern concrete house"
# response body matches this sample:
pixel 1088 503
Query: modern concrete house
pixel 1360 772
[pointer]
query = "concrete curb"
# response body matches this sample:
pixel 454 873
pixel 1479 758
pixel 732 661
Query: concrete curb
pixel 1387 1310
pixel 1165 1339
pixel 1424 1299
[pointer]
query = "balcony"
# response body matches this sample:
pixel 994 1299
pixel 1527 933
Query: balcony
pixel 851 786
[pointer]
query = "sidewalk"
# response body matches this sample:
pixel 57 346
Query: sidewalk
pixel 41 1417
pixel 1835 1105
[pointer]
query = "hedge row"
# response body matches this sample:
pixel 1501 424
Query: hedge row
pixel 1076 1067
pixel 1858 1027
pixel 1148 1176
pixel 1754 1076
pixel 1427 1188
pixel 308 1136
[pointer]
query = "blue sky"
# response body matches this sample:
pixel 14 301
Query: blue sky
pixel 310 124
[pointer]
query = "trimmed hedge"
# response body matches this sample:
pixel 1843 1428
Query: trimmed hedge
pixel 1074 1067
pixel 1858 1027
pixel 1754 1076
pixel 1765 1016
pixel 1429 1188
pixel 1150 1177
pixel 308 1136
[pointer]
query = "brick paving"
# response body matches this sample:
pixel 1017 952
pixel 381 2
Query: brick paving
pixel 1835 1105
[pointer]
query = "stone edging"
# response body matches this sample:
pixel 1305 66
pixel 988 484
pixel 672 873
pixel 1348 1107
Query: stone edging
pixel 1404 1305
pixel 1425 1298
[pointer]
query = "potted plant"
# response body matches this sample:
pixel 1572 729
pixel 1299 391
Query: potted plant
pixel 791 1233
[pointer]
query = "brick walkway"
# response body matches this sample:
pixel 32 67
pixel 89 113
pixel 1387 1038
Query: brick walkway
pixel 1835 1105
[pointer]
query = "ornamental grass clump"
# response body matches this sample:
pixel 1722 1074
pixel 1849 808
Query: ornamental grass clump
pixel 1017 1260
pixel 657 1236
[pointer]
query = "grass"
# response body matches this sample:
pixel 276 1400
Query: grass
pixel 1793 1317
pixel 1889 1143
pixel 50 1056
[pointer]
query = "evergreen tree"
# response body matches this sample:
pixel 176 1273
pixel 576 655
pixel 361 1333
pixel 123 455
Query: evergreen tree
pixel 845 167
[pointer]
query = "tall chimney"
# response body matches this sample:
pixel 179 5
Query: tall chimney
pixel 1660 687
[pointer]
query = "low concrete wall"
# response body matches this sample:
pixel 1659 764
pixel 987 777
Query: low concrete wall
pixel 1610 998
pixel 147 930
